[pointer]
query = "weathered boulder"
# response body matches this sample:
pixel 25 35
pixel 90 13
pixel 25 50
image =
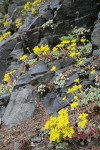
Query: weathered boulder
pixel 5 49
pixel 21 106
pixel 96 33
pixel 70 10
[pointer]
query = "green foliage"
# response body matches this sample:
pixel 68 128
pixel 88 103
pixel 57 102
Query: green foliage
pixel 62 146
pixel 4 88
pixel 85 49
pixel 69 37
pixel 91 94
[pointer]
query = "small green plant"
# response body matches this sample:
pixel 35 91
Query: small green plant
pixel 6 88
pixel 85 49
pixel 91 94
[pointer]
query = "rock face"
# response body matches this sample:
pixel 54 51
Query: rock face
pixel 79 10
pixel 64 14
pixel 5 49
pixel 21 103
pixel 96 33
pixel 21 106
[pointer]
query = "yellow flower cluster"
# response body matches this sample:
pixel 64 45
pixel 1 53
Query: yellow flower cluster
pixel 33 6
pixel 7 76
pixel 5 36
pixel 75 88
pixel 83 120
pixel 74 105
pixel 74 54
pixel 18 23
pixel 6 23
pixel 43 49
pixel 24 57
pixel 83 40
pixel 36 3
pixel 27 6
pixel 93 72
pixel 59 127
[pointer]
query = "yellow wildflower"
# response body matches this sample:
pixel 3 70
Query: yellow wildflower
pixel 24 57
pixel 74 54
pixel 37 50
pixel 73 45
pixel 18 23
pixel 74 105
pixel 76 97
pixel 6 77
pixel 75 88
pixel 34 11
pixel 14 71
pixel 53 69
pixel 93 72
pixel 6 23
pixel 6 35
pixel 65 42
pixel 74 41
pixel 83 40
pixel 59 127
pixel 76 80
pixel 1 38
pixel 82 124
pixel 80 62
pixel 27 6
pixel 55 49
pixel 64 98
pixel 83 116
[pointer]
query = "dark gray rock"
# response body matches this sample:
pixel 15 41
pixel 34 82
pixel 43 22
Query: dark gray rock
pixel 18 45
pixel 11 8
pixel 96 52
pixel 51 103
pixel 68 10
pixel 31 40
pixel 88 61
pixel 19 3
pixel 86 84
pixel 26 79
pixel 71 79
pixel 36 140
pixel 17 12
pixel 5 49
pixel 2 110
pixel 16 54
pixel 54 4
pixel 37 69
pixel 36 21
pixel 21 106
pixel 63 27
pixel 4 99
pixel 61 63
pixel 47 15
pixel 92 77
pixel 95 37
